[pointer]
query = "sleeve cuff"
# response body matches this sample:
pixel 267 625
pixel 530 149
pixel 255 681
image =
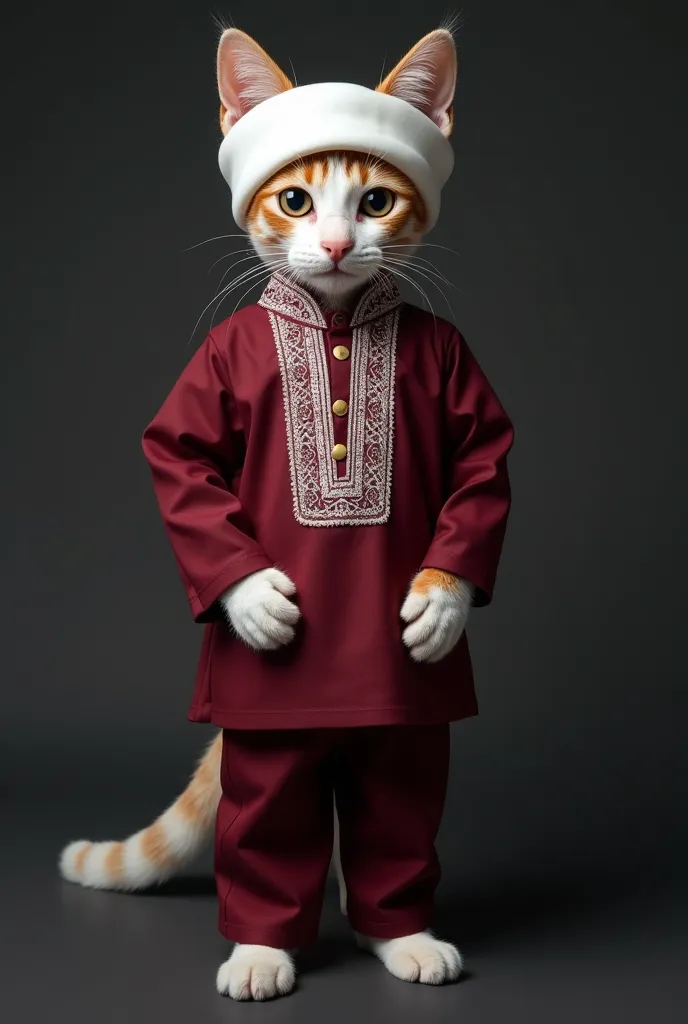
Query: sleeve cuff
pixel 204 606
pixel 463 567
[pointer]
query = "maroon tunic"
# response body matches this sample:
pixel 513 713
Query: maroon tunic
pixel 242 464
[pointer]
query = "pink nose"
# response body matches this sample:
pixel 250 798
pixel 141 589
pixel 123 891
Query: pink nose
pixel 336 249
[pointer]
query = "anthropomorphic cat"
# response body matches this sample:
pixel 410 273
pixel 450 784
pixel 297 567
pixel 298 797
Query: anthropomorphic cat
pixel 331 473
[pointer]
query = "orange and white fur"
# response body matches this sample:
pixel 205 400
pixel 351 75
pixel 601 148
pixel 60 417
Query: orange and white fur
pixel 347 216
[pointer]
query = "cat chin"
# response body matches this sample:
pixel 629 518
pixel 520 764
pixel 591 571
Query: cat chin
pixel 339 296
pixel 336 287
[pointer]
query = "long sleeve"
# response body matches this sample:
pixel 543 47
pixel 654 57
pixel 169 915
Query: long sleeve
pixel 194 446
pixel 470 529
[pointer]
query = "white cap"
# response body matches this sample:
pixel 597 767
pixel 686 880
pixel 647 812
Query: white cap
pixel 330 116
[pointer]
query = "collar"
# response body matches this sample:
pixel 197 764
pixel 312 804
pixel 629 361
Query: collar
pixel 288 299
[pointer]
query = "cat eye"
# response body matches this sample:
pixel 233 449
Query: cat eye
pixel 377 202
pixel 295 201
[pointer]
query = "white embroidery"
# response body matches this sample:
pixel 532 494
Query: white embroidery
pixel 383 296
pixel 290 299
pixel 321 497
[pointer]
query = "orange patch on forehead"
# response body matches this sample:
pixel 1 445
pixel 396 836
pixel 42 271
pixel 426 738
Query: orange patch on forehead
pixel 321 168
pixel 311 169
pixel 356 169
pixel 352 165
pixel 304 171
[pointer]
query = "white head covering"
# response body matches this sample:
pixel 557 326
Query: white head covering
pixel 329 116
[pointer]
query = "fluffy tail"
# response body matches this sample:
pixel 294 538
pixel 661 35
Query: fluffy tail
pixel 162 849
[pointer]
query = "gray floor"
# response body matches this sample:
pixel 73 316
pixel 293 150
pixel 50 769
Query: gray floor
pixel 554 945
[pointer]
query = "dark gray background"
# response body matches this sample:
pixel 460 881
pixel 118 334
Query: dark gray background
pixel 565 830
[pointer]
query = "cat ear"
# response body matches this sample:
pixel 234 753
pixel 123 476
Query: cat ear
pixel 246 76
pixel 426 78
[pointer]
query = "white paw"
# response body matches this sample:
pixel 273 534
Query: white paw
pixel 256 972
pixel 258 609
pixel 437 619
pixel 420 957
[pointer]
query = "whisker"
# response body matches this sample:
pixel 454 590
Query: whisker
pixel 404 277
pixel 224 292
pixel 238 252
pixel 268 272
pixel 420 259
pixel 251 273
pixel 417 271
pixel 240 234
pixel 241 278
pixel 431 268
pixel 261 274
pixel 293 72
pixel 423 245
pixel 228 255
pixel 252 285
pixel 420 270
pixel 233 265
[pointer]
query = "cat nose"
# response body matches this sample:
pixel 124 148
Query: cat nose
pixel 337 249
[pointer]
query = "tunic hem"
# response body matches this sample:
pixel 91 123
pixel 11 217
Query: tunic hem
pixel 323 718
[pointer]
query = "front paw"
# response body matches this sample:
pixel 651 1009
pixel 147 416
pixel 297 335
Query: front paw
pixel 256 972
pixel 259 610
pixel 436 609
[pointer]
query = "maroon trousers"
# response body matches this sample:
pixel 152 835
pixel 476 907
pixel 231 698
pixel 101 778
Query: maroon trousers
pixel 275 829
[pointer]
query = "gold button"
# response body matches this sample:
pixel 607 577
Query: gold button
pixel 340 352
pixel 339 452
pixel 340 407
pixel 338 318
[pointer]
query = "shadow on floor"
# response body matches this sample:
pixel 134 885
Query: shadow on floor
pixel 492 912
pixel 185 885
pixel 527 907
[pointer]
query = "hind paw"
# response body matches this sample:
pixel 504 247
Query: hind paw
pixel 420 957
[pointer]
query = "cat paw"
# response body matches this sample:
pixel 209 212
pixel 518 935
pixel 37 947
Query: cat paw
pixel 259 610
pixel 420 957
pixel 436 610
pixel 256 972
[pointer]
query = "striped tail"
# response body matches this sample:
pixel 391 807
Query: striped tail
pixel 162 849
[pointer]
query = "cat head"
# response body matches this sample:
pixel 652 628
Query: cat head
pixel 334 211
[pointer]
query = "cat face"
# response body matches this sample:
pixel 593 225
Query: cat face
pixel 331 221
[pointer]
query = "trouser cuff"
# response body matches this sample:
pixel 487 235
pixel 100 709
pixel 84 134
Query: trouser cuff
pixel 279 936
pixel 393 925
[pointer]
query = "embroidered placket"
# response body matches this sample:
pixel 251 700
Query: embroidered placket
pixel 362 495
